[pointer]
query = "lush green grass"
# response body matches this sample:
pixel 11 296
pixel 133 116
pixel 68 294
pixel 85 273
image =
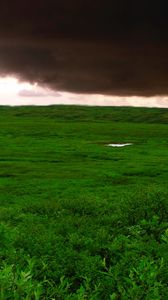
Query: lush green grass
pixel 80 220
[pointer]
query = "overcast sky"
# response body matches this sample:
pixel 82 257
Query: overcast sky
pixel 92 52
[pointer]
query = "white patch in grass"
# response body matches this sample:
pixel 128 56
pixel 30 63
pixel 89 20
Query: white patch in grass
pixel 119 145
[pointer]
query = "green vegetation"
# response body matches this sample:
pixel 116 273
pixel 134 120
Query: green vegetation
pixel 80 220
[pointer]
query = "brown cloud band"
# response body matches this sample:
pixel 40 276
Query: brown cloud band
pixel 109 47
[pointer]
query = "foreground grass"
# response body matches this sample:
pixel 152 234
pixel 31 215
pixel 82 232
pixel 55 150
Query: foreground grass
pixel 79 220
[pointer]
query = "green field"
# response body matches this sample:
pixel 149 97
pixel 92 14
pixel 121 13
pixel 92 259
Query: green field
pixel 80 220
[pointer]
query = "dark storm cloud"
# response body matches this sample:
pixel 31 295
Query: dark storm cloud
pixel 110 47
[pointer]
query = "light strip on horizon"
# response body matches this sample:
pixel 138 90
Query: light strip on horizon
pixel 14 93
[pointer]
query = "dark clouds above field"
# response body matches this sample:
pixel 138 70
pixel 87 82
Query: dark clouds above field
pixel 110 47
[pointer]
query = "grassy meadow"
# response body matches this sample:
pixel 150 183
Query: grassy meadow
pixel 80 220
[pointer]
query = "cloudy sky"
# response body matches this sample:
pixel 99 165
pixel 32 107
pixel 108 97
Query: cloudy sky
pixel 84 52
